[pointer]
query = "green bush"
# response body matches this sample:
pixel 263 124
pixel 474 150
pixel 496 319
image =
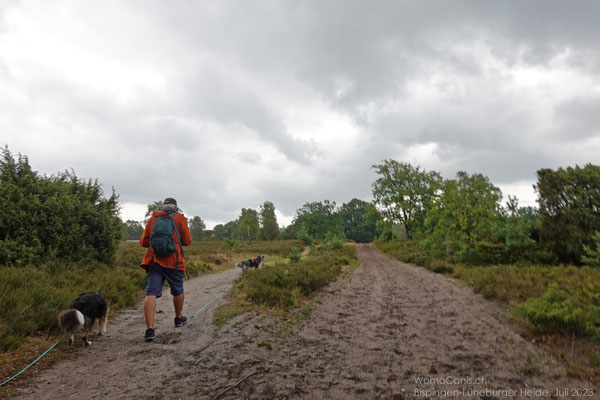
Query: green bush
pixel 231 243
pixel 333 241
pixel 335 244
pixel 553 312
pixel 568 203
pixel 53 217
pixel 194 267
pixel 303 236
pixel 294 255
pixel 592 253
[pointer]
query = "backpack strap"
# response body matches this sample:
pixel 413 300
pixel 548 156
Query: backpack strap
pixel 153 252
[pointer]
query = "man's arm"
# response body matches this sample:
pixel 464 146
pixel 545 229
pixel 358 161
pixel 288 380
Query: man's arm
pixel 145 239
pixel 184 231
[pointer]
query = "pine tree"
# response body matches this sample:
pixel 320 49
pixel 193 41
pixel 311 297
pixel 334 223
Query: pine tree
pixel 269 230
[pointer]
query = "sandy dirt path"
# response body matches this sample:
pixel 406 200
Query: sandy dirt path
pixel 122 365
pixel 371 336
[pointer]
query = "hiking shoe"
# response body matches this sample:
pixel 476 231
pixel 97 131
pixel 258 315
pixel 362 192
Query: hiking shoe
pixel 180 321
pixel 149 336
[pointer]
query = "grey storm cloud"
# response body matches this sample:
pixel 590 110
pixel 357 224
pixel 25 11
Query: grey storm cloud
pixel 579 118
pixel 213 95
pixel 214 102
pixel 373 48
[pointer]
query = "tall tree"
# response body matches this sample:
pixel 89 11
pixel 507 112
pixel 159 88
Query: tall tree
pixel 464 216
pixel 225 231
pixel 209 235
pixel 569 201
pixel 289 232
pixel 269 229
pixel 318 218
pixel 156 206
pixel 517 232
pixel 248 227
pixel 360 220
pixel 197 227
pixel 134 229
pixel 404 193
pixel 219 230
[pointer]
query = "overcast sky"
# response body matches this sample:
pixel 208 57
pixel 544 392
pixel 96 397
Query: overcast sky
pixel 225 104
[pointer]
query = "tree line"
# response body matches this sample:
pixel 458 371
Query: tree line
pixel 251 225
pixel 132 230
pixel 356 220
pixel 464 219
pixel 62 216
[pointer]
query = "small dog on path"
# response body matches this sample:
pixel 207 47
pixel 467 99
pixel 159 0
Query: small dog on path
pixel 250 263
pixel 85 310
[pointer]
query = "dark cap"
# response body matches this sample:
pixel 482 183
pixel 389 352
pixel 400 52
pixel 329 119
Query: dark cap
pixel 170 200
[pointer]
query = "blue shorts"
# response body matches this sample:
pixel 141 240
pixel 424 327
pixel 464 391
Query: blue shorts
pixel 156 278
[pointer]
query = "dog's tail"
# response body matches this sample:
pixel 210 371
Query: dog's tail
pixel 239 264
pixel 70 319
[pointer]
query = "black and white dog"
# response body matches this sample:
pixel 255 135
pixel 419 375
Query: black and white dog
pixel 250 263
pixel 85 310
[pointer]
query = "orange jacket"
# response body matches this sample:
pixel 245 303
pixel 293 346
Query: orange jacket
pixel 171 260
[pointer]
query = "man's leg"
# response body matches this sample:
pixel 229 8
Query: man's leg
pixel 178 303
pixel 153 291
pixel 149 309
pixel 175 278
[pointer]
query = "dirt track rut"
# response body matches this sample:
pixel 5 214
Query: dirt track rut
pixel 373 336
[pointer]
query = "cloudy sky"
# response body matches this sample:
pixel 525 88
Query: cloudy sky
pixel 225 104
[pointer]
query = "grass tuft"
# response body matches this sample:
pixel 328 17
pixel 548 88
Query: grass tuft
pixel 282 287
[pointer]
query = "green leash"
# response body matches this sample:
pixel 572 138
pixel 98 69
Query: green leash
pixel 206 305
pixel 34 361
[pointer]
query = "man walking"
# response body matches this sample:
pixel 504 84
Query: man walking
pixel 165 234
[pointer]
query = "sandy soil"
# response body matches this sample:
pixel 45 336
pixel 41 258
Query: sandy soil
pixel 373 335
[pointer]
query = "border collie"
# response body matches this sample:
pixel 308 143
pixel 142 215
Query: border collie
pixel 250 263
pixel 84 311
